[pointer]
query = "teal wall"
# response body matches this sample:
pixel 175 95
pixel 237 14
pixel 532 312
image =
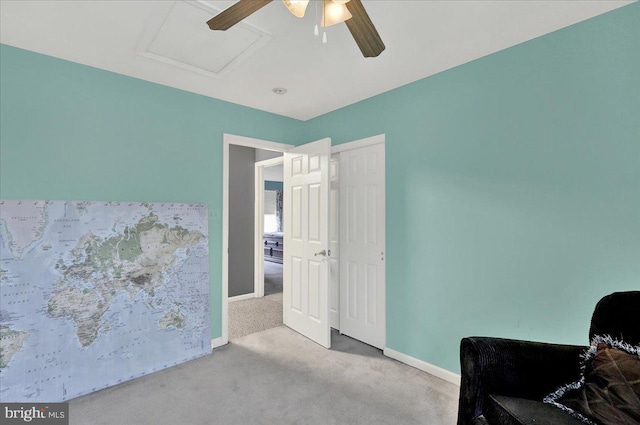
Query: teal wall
pixel 73 132
pixel 513 189
pixel 513 196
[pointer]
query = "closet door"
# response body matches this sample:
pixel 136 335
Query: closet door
pixel 362 245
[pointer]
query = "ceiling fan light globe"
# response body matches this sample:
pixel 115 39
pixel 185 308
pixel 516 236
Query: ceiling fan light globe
pixel 334 12
pixel 296 7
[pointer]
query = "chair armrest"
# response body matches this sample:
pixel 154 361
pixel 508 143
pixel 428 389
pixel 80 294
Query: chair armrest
pixel 512 368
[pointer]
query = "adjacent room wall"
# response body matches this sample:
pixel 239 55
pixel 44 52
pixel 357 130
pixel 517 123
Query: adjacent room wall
pixel 513 189
pixel 274 173
pixel 241 219
pixel 263 154
pixel 242 161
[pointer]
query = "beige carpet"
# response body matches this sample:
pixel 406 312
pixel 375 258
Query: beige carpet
pixel 254 315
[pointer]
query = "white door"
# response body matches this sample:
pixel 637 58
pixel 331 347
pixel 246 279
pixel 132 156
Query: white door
pixel 334 242
pixel 362 245
pixel 306 241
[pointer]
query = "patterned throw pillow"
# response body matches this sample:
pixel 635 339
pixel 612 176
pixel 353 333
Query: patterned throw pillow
pixel 608 391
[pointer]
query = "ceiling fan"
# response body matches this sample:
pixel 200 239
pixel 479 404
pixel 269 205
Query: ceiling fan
pixel 351 12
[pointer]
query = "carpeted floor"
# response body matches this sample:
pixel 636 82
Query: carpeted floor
pixel 254 315
pixel 272 278
pixel 259 314
pixel 277 377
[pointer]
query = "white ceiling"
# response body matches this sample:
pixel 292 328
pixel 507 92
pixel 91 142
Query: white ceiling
pixel 168 42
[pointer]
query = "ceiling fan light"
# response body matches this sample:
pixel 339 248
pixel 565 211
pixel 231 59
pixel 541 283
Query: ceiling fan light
pixel 297 7
pixel 334 12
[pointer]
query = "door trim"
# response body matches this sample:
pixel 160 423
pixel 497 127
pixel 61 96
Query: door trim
pixel 231 139
pixel 258 268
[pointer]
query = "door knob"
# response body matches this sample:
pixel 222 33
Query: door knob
pixel 322 253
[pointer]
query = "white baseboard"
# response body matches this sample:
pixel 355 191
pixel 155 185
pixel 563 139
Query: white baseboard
pixel 241 297
pixel 434 370
pixel 218 342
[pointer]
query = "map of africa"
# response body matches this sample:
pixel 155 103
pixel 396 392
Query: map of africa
pixel 97 293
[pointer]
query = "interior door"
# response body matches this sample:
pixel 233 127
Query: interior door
pixel 306 241
pixel 362 245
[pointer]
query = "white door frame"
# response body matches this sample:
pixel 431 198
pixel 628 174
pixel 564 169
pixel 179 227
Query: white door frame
pixel 230 139
pixel 258 268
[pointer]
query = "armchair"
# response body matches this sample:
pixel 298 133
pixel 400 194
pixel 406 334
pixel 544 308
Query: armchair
pixel 504 381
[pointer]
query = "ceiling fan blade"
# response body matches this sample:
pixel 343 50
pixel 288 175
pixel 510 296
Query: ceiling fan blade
pixel 236 13
pixel 363 31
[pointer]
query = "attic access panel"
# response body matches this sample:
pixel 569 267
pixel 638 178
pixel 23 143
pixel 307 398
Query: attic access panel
pixel 182 38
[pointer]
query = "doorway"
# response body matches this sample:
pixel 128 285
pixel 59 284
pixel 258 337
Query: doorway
pixel 231 142
pixel 269 235
pixel 256 241
pixel 372 289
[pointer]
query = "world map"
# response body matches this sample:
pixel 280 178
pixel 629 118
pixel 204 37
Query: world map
pixel 97 293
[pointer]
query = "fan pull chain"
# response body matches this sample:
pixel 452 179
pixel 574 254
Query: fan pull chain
pixel 316 32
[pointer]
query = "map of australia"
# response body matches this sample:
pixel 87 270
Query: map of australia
pixel 97 293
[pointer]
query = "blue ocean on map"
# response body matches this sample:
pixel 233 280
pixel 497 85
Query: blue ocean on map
pixel 97 293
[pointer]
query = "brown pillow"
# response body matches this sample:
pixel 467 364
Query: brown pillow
pixel 608 392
